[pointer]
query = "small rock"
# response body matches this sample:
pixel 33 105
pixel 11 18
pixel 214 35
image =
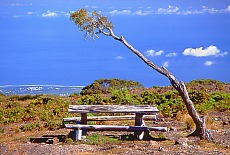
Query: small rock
pixel 160 149
pixel 182 141
pixel 153 143
pixel 172 129
pixel 226 123
pixel 135 146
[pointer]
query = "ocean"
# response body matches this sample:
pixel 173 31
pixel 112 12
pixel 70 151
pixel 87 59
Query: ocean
pixel 40 89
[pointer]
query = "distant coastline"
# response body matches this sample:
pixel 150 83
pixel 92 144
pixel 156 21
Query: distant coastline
pixel 59 90
pixel 29 85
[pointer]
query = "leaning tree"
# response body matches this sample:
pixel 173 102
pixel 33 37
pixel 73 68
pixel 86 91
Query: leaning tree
pixel 94 24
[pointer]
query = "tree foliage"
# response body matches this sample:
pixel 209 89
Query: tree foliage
pixel 104 85
pixel 92 23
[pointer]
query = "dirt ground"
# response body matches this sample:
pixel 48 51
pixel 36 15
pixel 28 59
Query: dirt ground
pixel 175 141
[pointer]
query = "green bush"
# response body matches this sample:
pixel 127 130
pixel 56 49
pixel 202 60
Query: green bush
pixel 221 101
pixel 29 127
pixel 90 99
pixel 102 86
pixel 122 96
pixel 198 97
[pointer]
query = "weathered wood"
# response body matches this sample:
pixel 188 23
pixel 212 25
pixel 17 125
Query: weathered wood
pixel 139 122
pixel 141 112
pixel 138 119
pixel 83 121
pixel 83 118
pixel 114 128
pixel 113 109
pixel 109 118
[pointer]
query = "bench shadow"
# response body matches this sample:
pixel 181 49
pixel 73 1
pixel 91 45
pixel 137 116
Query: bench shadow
pixel 49 139
pixel 132 137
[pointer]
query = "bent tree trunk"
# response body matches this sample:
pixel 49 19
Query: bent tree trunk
pixel 201 130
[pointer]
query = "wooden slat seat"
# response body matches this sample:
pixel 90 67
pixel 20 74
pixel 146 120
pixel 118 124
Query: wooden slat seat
pixel 113 109
pixel 109 118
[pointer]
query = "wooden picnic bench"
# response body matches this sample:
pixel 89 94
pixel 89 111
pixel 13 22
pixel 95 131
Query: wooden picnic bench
pixel 141 113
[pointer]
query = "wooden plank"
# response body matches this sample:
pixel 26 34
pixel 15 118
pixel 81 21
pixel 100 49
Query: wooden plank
pixel 112 109
pixel 114 128
pixel 109 118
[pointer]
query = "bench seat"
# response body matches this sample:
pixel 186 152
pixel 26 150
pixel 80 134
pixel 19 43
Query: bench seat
pixel 109 118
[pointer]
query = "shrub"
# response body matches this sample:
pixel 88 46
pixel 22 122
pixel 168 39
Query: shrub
pixel 198 97
pixel 102 86
pixel 122 96
pixel 90 99
pixel 28 127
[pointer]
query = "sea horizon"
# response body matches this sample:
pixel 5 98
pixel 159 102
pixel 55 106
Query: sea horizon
pixel 58 85
pixel 59 90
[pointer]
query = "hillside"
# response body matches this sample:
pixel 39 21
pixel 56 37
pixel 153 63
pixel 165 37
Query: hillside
pixel 26 116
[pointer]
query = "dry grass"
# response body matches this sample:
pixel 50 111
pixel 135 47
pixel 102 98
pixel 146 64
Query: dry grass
pixel 190 125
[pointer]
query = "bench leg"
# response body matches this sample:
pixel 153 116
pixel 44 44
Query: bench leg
pixel 140 122
pixel 84 121
pixel 78 134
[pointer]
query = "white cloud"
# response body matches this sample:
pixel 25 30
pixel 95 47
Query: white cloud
pixel 208 63
pixel 154 53
pixel 32 13
pixel 169 10
pixel 173 54
pixel 20 4
pixel 129 12
pixel 228 9
pixel 94 7
pixel 119 57
pixel 209 10
pixel 142 13
pixel 49 14
pixel 165 64
pixel 203 10
pixel 200 52
pixel 223 54
pixel 159 52
pixel 123 12
pixel 17 16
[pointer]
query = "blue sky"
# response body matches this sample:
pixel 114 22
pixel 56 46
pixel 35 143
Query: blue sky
pixel 40 45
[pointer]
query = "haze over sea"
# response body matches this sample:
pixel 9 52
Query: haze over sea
pixel 40 89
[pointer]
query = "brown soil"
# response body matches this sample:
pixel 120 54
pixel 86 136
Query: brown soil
pixel 175 141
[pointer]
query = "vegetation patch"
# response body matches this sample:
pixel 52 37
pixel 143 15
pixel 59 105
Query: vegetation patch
pixel 96 139
pixel 47 111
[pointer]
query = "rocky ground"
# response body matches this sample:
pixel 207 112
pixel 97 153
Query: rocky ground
pixel 174 141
